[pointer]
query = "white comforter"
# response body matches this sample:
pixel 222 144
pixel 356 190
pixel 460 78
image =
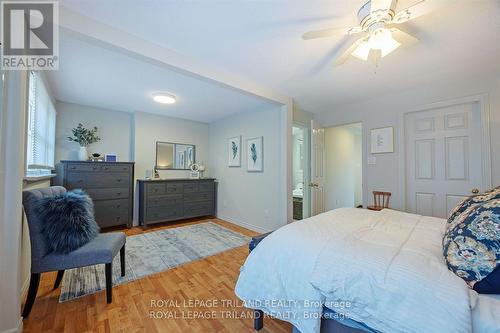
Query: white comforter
pixel 386 265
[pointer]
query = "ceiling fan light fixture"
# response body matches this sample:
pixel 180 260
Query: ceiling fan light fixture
pixel 362 51
pixel 381 39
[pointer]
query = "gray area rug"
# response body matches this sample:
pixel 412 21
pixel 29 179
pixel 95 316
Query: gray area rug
pixel 152 253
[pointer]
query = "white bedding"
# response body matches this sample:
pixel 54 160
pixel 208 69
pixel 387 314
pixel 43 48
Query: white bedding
pixel 387 264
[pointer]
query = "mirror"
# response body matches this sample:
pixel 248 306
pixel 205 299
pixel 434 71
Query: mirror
pixel 174 156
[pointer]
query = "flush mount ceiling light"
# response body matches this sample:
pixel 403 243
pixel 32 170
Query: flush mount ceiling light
pixel 164 98
pixel 377 21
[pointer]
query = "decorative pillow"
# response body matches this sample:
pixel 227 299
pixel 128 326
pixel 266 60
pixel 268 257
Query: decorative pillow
pixel 68 221
pixel 494 193
pixel 471 244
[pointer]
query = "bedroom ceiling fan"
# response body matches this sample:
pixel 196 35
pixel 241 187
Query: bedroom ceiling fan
pixel 377 23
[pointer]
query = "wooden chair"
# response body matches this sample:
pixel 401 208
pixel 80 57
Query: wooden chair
pixel 380 200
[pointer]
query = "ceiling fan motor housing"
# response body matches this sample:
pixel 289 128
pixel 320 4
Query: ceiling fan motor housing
pixel 372 18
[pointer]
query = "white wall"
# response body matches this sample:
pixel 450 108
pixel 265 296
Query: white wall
pixel 387 110
pixel 114 129
pixel 343 173
pixel 250 199
pixel 298 157
pixel 149 128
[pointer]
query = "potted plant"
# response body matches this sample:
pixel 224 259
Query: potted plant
pixel 84 137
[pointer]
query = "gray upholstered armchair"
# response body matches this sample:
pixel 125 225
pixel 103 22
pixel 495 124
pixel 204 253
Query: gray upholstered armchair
pixel 101 250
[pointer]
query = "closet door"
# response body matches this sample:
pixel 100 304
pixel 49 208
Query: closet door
pixel 444 157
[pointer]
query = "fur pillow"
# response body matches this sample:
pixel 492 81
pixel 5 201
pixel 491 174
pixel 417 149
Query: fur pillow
pixel 471 246
pixel 68 221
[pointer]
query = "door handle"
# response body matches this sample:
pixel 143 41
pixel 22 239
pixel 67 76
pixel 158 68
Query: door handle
pixel 313 185
pixel 475 191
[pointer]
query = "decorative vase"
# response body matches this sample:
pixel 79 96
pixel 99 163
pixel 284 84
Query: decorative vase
pixel 82 154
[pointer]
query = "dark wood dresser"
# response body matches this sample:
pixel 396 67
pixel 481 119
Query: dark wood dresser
pixel 174 199
pixel 109 184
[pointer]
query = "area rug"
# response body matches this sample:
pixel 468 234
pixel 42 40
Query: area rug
pixel 151 253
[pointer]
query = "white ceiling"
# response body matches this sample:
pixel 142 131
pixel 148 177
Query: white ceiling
pixel 260 41
pixel 96 76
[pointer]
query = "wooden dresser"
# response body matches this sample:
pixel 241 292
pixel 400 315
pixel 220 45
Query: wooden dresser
pixel 109 184
pixel 174 199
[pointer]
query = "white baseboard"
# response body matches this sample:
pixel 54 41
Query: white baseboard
pixel 17 329
pixel 243 224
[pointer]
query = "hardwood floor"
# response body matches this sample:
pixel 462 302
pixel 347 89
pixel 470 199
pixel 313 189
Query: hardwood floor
pixel 163 302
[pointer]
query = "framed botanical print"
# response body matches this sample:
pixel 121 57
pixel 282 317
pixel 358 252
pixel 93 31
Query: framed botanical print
pixel 255 154
pixel 382 140
pixel 234 151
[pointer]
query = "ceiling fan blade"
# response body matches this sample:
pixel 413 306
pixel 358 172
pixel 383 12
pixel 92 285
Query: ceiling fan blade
pixel 345 51
pixel 331 32
pixel 422 7
pixel 403 37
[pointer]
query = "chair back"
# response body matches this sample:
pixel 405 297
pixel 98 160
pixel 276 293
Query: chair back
pixel 381 199
pixel 39 246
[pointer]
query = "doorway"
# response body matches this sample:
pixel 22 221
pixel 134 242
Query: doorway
pixel 300 172
pixel 343 184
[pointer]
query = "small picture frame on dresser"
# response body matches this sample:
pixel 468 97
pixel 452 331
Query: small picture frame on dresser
pixel 111 157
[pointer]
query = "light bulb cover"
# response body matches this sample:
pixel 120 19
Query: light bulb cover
pixel 164 98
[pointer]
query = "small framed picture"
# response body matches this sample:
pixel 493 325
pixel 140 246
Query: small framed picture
pixel 111 157
pixel 255 154
pixel 234 151
pixel 382 140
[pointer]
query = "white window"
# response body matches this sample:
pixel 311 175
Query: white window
pixel 41 131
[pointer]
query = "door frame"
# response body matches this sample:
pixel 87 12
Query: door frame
pixel 484 107
pixel 365 196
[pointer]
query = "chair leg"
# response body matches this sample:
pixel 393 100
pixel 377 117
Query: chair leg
pixel 258 320
pixel 122 259
pixel 109 282
pixel 59 278
pixel 34 283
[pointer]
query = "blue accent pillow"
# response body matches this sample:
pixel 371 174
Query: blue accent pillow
pixel 494 193
pixel 471 244
pixel 68 221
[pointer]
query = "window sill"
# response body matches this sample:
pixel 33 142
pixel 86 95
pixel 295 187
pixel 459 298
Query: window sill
pixel 35 179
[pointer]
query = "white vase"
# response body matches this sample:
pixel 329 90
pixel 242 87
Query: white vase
pixel 82 154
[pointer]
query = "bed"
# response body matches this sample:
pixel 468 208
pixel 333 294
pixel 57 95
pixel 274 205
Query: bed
pixel 366 271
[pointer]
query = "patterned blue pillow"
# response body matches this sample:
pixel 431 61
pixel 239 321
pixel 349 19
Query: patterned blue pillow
pixel 494 193
pixel 471 244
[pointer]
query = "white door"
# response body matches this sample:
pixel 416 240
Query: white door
pixel 317 169
pixel 443 157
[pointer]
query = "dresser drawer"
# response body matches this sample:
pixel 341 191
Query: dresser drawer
pixel 198 196
pixel 155 189
pixel 87 180
pixel 116 168
pixel 192 209
pixel 112 212
pixel 107 193
pixel 190 187
pixel 206 187
pixel 163 213
pixel 167 200
pixel 174 188
pixel 83 167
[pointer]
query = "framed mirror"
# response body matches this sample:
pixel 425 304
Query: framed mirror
pixel 174 156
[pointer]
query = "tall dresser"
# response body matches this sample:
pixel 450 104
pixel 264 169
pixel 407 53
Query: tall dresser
pixel 174 199
pixel 109 184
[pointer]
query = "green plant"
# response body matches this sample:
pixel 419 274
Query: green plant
pixel 84 136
